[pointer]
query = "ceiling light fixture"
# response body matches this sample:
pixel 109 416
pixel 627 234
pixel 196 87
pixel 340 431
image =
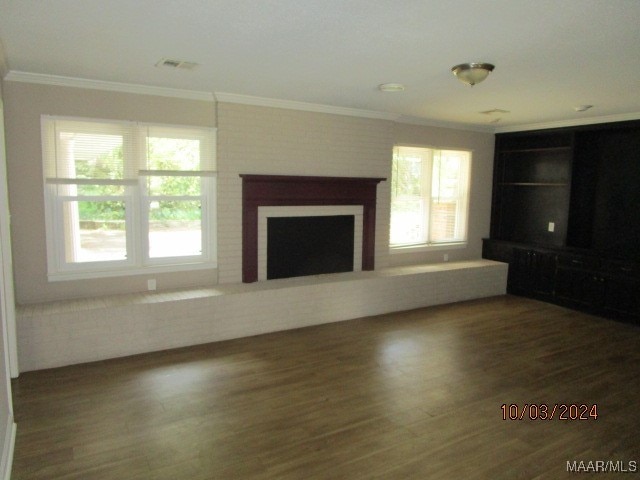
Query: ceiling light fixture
pixel 582 108
pixel 391 87
pixel 472 73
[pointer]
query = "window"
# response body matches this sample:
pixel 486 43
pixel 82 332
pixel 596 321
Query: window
pixel 429 196
pixel 123 196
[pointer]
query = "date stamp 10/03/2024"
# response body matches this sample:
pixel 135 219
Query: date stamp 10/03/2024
pixel 544 411
pixel 569 411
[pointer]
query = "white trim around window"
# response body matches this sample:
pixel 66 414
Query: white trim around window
pixel 123 198
pixel 429 199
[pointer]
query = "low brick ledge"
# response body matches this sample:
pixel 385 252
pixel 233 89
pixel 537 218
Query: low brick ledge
pixel 123 299
pixel 56 334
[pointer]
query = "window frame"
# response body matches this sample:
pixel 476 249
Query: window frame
pixel 427 197
pixel 134 196
pixel 208 191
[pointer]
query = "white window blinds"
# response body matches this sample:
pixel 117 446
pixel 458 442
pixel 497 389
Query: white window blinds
pixel 97 152
pixel 429 196
pixel 126 196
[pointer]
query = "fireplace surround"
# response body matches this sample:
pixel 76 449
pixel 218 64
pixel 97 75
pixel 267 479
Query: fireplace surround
pixel 285 190
pixel 315 245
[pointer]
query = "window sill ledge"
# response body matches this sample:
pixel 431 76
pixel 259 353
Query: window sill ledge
pixel 125 272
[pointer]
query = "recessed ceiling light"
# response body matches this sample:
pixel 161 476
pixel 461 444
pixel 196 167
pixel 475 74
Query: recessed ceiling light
pixel 391 87
pixel 582 108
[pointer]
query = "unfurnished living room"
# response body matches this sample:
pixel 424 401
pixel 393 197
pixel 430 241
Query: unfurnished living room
pixel 319 239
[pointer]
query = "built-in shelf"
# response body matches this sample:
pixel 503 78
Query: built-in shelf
pixel 533 184
pixel 565 217
pixel 544 149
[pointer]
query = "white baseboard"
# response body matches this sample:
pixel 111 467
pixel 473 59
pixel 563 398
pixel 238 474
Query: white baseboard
pixel 7 454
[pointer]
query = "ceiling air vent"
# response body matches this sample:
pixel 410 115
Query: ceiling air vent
pixel 172 63
pixel 495 111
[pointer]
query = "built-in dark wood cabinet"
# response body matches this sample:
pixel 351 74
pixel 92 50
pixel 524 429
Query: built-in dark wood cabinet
pixel 579 281
pixel 566 216
pixel 532 271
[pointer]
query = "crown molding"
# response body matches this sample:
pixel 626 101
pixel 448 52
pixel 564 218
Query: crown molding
pixel 61 81
pixel 622 117
pixel 303 106
pixel 425 122
pixel 352 112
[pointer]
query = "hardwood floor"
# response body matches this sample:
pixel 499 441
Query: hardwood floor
pixel 411 395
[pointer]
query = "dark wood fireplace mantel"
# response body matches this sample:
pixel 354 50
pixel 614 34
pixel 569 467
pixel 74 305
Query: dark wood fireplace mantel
pixel 285 190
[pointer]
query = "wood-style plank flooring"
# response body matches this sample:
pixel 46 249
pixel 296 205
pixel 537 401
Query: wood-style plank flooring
pixel 412 395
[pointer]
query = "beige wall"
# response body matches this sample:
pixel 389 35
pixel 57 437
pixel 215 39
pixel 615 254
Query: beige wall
pixel 24 104
pixel 481 145
pixel 251 139
pixel 265 140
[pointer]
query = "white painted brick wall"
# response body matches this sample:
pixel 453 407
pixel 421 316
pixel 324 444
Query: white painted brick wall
pixel 274 141
pixel 64 333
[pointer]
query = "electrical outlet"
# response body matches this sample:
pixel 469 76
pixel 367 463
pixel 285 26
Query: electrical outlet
pixel 446 257
pixel 151 284
pixel 552 227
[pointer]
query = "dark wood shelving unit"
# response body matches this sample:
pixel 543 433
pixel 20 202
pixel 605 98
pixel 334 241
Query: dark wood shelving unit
pixel 534 184
pixel 540 149
pixel 566 216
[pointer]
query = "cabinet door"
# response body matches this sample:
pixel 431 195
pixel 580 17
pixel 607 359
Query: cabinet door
pixel 574 285
pixel 616 216
pixel 543 272
pixel 532 272
pixel 581 287
pixel 594 290
pixel 567 284
pixel 519 280
pixel 623 296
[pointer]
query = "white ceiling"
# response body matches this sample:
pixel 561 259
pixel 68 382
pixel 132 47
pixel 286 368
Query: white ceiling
pixel 550 55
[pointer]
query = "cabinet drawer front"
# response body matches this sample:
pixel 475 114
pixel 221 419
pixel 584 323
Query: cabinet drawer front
pixel 579 262
pixel 623 268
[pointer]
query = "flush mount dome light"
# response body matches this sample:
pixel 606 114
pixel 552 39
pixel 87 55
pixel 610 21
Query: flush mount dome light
pixel 472 73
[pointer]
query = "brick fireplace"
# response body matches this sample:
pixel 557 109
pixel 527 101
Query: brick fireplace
pixel 300 191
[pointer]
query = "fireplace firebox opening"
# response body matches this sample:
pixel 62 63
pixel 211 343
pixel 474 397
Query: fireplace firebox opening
pixel 301 246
